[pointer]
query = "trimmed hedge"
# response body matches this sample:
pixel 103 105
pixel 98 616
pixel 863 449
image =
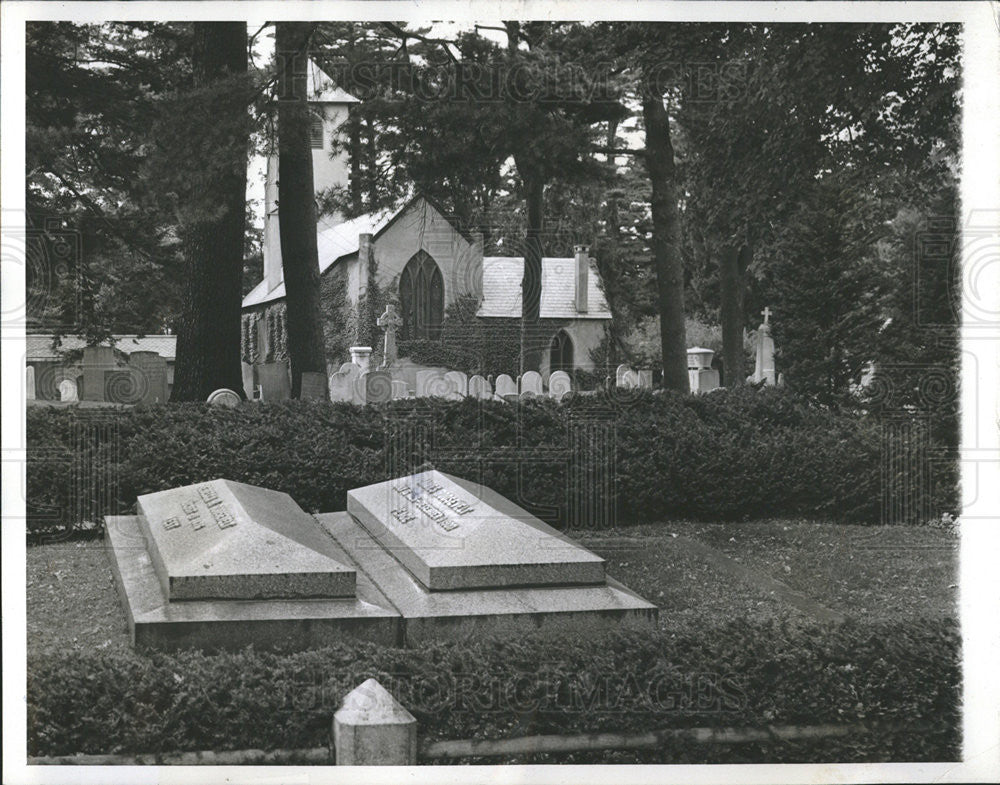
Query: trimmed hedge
pixel 738 674
pixel 728 455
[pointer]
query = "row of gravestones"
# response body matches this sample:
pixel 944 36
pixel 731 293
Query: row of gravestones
pixel 628 379
pixel 104 378
pixel 352 385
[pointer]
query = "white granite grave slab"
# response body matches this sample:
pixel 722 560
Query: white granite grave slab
pixel 454 534
pixel 227 540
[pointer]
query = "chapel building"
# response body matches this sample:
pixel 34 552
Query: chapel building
pixel 416 254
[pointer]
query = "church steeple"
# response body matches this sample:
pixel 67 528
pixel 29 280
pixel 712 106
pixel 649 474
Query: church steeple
pixel 330 105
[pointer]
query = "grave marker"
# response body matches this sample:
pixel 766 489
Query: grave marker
pixel 226 540
pixel 559 384
pixel 452 534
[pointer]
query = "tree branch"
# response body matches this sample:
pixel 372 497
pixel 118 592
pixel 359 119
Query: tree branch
pixel 405 34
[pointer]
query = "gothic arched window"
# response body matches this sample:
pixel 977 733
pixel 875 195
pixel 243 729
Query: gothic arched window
pixel 421 297
pixel 561 352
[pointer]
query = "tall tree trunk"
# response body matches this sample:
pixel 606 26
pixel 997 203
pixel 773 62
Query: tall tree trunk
pixel 659 159
pixel 371 166
pixel 614 223
pixel 354 136
pixel 208 337
pixel 533 183
pixel 731 316
pixel 531 282
pixel 297 200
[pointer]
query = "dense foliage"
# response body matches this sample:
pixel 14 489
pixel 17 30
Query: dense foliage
pixel 728 455
pixel 739 674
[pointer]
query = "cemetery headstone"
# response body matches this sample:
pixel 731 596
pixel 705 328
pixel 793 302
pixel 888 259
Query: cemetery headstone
pixel 96 361
pixel 506 387
pixel 480 387
pixel 67 390
pixel 559 384
pixel 432 383
pixel 246 370
pixel 345 385
pixel 224 397
pixel 378 387
pixel 629 380
pixel 451 536
pixel 389 321
pixel 153 370
pixel 29 383
pixel 620 373
pixel 531 382
pixel 275 384
pixel 399 389
pixel 313 386
pixel 125 386
pixel 646 379
pixel 200 538
pixel 458 381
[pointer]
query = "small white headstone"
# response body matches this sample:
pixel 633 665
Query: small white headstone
pixel 224 397
pixel 630 380
pixel 505 386
pixel 399 389
pixel 30 383
pixel 480 387
pixel 67 390
pixel 646 380
pixel 459 382
pixel 620 372
pixel 531 382
pixel 345 384
pixel 559 384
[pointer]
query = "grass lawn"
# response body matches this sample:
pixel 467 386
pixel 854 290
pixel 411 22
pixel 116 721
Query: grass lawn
pixel 696 573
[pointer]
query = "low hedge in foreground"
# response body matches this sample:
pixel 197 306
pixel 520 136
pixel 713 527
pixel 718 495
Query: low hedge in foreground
pixel 739 674
pixel 728 455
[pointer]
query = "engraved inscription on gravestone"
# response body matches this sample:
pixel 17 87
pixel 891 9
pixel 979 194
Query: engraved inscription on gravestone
pixel 226 540
pixel 453 534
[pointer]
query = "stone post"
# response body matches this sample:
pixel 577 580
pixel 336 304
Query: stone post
pixel 373 729
pixel 361 357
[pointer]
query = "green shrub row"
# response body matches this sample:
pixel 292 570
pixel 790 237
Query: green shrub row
pixel 728 455
pixel 739 674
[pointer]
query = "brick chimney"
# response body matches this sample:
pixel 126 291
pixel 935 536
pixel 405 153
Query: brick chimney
pixel 582 261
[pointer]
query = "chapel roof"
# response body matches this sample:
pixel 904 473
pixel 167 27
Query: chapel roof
pixel 502 289
pixel 38 347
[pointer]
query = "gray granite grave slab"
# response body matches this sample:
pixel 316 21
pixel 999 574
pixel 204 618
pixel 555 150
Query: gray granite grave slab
pixel 227 540
pixel 498 612
pixel 454 534
pixel 284 624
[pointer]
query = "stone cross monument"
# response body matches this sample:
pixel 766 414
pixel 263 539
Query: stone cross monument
pixel 764 367
pixel 389 321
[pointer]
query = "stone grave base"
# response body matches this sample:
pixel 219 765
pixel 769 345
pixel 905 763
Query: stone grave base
pixel 286 624
pixel 397 611
pixel 461 614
